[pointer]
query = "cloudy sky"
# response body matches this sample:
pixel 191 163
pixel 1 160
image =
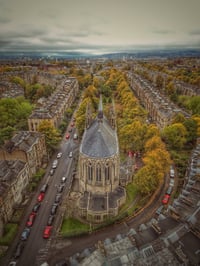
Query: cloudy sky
pixel 98 26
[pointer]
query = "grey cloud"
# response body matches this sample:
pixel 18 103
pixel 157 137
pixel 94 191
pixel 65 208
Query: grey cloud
pixel 163 32
pixel 4 20
pixel 195 32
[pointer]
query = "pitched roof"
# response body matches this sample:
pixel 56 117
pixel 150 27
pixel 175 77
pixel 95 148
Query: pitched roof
pixel 99 140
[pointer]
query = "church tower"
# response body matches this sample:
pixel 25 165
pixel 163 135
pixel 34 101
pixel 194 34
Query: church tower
pixel 98 173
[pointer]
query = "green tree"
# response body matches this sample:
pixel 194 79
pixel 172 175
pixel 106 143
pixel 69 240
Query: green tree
pixel 147 180
pixel 52 135
pixel 175 135
pixel 194 105
pixel 191 127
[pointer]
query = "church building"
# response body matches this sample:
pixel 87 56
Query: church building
pixel 99 166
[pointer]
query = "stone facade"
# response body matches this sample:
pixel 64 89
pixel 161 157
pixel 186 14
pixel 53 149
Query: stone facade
pixel 28 147
pixel 14 177
pixel 101 195
pixel 161 109
pixel 53 108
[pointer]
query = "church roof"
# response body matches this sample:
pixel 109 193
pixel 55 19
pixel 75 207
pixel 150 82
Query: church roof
pixel 99 140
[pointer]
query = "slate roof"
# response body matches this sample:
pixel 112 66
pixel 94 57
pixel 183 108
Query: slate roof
pixel 99 140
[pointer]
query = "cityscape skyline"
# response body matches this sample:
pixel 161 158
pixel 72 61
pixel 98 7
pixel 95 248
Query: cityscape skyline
pixel 98 27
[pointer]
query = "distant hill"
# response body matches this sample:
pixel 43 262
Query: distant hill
pixel 169 53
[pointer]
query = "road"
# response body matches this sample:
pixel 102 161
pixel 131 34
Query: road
pixel 35 242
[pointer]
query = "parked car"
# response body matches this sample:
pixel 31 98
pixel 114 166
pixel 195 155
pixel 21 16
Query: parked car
pixel 52 171
pixel 171 182
pixel 169 190
pixel 44 188
pixel 54 208
pixel 57 198
pixel 159 210
pixel 55 163
pixel 18 250
pixel 59 155
pixel 67 136
pixel 60 188
pixel 165 199
pixel 31 219
pixel 40 196
pixel 36 207
pixel 12 263
pixel 47 231
pixel 50 219
pixel 63 179
pixel 25 234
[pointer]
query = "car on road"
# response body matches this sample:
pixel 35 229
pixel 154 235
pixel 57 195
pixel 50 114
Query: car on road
pixel 59 155
pixel 70 154
pixel 57 198
pixel 169 190
pixel 44 188
pixel 67 136
pixel 52 171
pixel 171 182
pixel 25 234
pixel 55 163
pixel 54 208
pixel 159 210
pixel 50 219
pixel 47 231
pixel 19 249
pixel 60 188
pixel 165 199
pixel 40 196
pixel 36 207
pixel 12 263
pixel 63 179
pixel 31 219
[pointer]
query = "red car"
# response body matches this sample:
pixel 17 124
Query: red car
pixel 47 231
pixel 165 199
pixel 31 219
pixel 67 136
pixel 40 197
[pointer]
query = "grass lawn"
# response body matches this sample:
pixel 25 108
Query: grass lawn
pixel 131 191
pixel 72 226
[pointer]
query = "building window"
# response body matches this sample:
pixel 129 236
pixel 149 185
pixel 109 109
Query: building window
pixel 90 172
pixel 107 172
pixel 98 173
pixel 97 217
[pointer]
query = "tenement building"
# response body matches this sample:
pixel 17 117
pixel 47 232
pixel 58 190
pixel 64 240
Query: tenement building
pixel 53 108
pixel 14 177
pixel 98 173
pixel 28 147
pixel 161 110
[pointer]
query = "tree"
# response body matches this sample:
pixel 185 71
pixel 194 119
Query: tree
pixel 154 143
pixel 191 127
pixel 194 105
pixel 147 179
pixel 175 135
pixel 158 158
pixel 52 135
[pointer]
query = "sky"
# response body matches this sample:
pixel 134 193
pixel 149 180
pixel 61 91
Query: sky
pixel 98 26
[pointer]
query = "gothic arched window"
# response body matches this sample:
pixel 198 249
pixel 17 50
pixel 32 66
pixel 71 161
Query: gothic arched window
pixel 90 172
pixel 98 173
pixel 107 172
